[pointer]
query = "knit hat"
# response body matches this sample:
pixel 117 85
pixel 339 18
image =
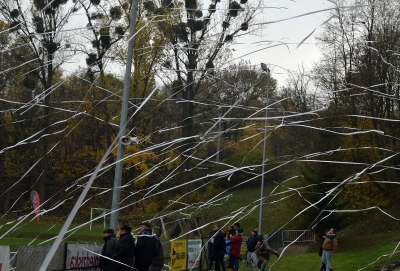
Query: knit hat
pixel 255 231
pixel 108 231
pixel 239 230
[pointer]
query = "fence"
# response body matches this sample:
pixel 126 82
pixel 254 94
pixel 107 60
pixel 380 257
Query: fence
pixel 298 236
pixel 275 239
pixel 29 258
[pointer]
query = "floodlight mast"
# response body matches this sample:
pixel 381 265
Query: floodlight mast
pixel 264 67
pixel 122 126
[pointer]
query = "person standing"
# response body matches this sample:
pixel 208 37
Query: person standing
pixel 145 247
pixel 263 254
pixel 251 248
pixel 236 244
pixel 211 251
pixel 124 250
pixel 219 248
pixel 157 262
pixel 329 248
pixel 107 250
pixel 322 237
pixel 231 231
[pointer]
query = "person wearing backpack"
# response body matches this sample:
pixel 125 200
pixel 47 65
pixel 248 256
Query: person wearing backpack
pixel 145 247
pixel 158 259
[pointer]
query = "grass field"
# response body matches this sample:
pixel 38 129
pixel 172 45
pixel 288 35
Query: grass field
pixel 367 243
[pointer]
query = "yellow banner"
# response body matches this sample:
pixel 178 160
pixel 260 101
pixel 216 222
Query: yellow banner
pixel 178 255
pixel 243 250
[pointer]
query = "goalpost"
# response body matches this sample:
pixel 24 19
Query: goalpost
pixel 100 212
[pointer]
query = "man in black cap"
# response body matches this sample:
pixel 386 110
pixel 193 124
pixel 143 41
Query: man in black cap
pixel 124 250
pixel 145 247
pixel 107 250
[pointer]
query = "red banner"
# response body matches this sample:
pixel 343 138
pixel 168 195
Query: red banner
pixel 36 204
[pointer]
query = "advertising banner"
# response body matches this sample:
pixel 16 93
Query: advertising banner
pixel 178 255
pixel 34 195
pixel 4 258
pixel 243 250
pixel 83 255
pixel 194 253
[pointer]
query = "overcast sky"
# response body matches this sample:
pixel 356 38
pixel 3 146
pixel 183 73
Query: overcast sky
pixel 291 32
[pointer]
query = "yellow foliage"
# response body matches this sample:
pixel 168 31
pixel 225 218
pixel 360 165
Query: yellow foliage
pixel 152 207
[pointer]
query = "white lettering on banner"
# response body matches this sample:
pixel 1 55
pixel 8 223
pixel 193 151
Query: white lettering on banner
pixel 4 258
pixel 194 251
pixel 79 256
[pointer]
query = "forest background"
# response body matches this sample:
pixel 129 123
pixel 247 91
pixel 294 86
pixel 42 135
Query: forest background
pixel 332 131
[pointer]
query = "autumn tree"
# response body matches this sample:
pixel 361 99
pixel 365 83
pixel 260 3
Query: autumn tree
pixel 359 71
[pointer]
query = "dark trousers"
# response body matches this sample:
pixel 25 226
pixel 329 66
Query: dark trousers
pixel 219 261
pixel 138 266
pixel 211 260
pixel 155 267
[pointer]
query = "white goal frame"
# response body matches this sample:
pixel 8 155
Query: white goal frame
pixel 104 217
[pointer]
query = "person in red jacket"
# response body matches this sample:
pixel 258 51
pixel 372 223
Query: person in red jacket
pixel 236 244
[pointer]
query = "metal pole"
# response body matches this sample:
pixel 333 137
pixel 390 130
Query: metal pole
pixel 219 136
pixel 122 125
pixel 264 67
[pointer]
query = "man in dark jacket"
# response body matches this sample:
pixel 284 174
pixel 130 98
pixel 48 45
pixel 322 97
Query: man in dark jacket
pixel 145 247
pixel 158 259
pixel 211 253
pixel 107 250
pixel 124 250
pixel 219 248
pixel 251 248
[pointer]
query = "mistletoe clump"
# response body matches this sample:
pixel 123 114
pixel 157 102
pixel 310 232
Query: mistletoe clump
pixel 116 13
pixel 14 13
pixel 234 8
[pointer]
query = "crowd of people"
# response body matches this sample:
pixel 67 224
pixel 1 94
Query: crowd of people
pixel 121 251
pixel 230 242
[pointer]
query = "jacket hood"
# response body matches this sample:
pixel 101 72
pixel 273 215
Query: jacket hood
pixel 332 236
pixel 147 232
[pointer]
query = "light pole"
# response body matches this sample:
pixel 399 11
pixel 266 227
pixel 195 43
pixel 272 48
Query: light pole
pixel 123 121
pixel 264 68
pixel 219 136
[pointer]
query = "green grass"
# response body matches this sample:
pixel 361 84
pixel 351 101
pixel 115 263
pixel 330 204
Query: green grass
pixel 362 243
pixel 342 260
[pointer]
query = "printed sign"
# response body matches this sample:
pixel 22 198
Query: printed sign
pixel 178 255
pixel 243 250
pixel 194 253
pixel 4 258
pixel 83 255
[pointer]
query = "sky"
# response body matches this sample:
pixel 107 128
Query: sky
pixel 287 32
pixel 291 32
